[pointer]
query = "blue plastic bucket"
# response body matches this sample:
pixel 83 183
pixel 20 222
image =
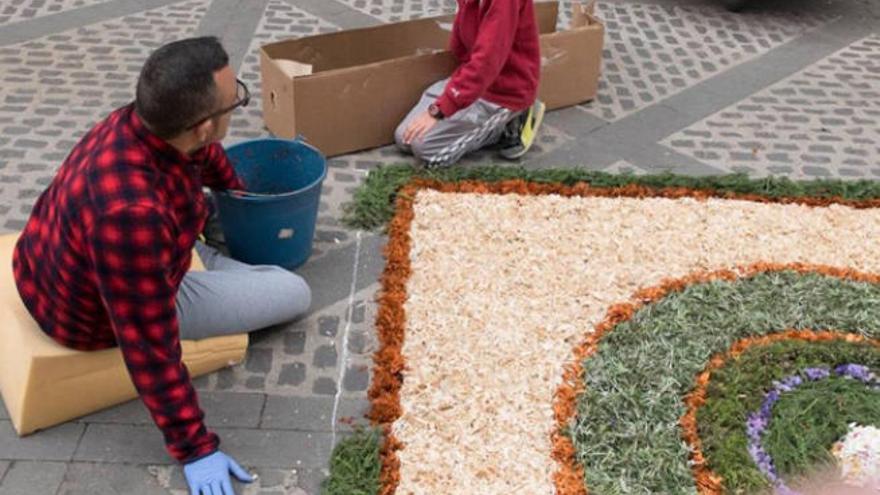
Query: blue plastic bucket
pixel 273 222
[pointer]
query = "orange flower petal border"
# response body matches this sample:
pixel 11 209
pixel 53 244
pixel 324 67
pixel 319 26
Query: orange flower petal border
pixel 389 363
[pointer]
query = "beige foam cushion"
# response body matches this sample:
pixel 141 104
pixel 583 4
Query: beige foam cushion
pixel 44 384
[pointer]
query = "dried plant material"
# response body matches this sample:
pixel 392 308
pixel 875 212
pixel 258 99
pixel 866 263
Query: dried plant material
pixel 497 289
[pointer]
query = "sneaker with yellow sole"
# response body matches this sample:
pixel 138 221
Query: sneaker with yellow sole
pixel 521 132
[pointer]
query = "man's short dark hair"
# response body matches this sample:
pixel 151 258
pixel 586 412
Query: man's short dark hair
pixel 176 86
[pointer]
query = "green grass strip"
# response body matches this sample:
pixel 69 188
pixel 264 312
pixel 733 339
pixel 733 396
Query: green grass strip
pixel 355 465
pixel 626 433
pixel 805 422
pixel 373 203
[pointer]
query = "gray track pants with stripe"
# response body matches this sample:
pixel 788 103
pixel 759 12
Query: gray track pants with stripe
pixel 233 297
pixel 470 129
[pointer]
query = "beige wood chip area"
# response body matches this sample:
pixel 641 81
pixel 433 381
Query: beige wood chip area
pixel 503 286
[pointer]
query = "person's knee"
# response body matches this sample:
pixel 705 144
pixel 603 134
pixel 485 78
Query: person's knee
pixel 296 290
pixel 429 149
pixel 289 291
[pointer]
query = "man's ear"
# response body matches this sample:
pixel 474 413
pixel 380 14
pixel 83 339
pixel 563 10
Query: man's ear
pixel 205 130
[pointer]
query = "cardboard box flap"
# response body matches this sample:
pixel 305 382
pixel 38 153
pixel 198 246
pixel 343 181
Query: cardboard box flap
pixel 357 47
pixel 292 68
pixel 546 14
pixel 277 100
pixel 582 14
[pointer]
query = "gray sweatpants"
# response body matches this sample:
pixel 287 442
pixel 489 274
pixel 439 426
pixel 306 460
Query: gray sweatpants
pixel 234 297
pixel 469 129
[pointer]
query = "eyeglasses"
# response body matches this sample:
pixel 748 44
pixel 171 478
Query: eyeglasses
pixel 243 97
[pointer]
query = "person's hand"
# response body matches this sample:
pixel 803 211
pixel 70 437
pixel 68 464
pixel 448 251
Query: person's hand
pixel 419 127
pixel 210 475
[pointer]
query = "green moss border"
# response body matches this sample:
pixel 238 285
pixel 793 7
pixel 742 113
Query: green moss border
pixel 355 465
pixel 373 203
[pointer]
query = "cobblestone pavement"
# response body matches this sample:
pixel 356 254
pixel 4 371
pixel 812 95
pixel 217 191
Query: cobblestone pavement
pixel 790 87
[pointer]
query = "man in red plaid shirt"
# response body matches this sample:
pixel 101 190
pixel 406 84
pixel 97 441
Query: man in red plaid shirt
pixel 103 259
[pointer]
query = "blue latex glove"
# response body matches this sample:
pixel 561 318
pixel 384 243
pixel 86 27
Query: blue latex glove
pixel 210 475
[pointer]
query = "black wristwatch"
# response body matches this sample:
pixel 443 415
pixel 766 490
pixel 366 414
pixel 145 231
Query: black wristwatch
pixel 434 111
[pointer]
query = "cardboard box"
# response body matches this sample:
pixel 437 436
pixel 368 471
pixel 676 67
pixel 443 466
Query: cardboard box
pixel 348 91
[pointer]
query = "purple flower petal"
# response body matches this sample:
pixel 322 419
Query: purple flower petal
pixel 857 371
pixel 817 373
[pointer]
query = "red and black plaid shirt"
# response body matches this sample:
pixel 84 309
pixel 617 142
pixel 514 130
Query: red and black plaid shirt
pixel 103 254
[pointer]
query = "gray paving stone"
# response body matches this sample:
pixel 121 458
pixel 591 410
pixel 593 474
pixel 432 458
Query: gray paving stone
pixel 226 379
pixel 231 409
pixel 256 383
pixel 780 170
pixel 357 378
pixel 294 342
pixel 325 357
pixel 812 171
pixel 310 480
pixel 131 412
pixel 324 386
pixel 252 447
pixel 266 448
pixel 26 477
pixel 328 326
pixel 371 263
pixel 114 443
pixel 54 444
pixel 357 342
pixel 109 479
pixel 344 177
pixel 4 465
pixel 313 413
pixel 259 360
pixel 292 374
pixel 298 413
pixel 4 414
pixel 850 172
pixel 358 312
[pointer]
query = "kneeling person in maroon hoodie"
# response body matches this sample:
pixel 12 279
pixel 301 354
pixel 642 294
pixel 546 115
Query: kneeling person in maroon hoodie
pixel 490 99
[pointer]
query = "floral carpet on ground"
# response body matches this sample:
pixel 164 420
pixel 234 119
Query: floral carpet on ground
pixel 549 338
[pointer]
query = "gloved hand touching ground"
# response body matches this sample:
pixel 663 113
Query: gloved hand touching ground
pixel 210 475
